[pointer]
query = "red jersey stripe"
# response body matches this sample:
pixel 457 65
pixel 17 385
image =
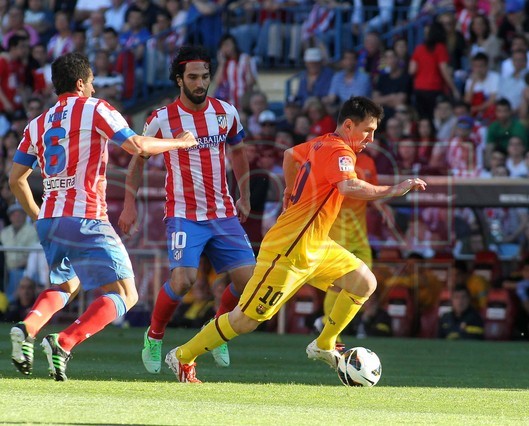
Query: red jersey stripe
pixel 207 171
pixel 188 186
pixel 73 156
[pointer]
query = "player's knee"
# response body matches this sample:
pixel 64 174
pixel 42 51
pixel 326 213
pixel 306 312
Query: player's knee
pixel 132 299
pixel 370 283
pixel 181 285
pixel 240 277
pixel 364 283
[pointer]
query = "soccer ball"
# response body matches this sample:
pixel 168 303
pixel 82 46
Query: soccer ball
pixel 359 367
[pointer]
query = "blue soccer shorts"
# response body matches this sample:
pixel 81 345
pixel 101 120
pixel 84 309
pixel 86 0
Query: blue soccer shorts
pixel 87 248
pixel 223 241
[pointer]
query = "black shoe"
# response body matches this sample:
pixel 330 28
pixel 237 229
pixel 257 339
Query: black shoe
pixel 57 357
pixel 22 349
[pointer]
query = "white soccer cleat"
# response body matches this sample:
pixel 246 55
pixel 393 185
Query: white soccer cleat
pixel 330 357
pixel 151 354
pixel 185 373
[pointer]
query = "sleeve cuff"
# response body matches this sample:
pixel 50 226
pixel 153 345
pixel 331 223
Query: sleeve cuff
pixel 121 136
pixel 24 158
pixel 236 139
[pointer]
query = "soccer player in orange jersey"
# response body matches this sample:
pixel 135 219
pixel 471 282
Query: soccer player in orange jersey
pixel 350 229
pixel 298 249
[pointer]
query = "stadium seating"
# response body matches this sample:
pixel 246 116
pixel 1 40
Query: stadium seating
pixel 487 265
pixel 430 319
pixel 303 305
pixel 401 309
pixel 499 315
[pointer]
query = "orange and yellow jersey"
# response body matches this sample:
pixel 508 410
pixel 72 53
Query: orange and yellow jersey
pixel 350 227
pixel 303 228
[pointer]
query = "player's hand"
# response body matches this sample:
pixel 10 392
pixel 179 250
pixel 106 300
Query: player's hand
pixel 412 184
pixel 243 209
pixel 127 219
pixel 187 140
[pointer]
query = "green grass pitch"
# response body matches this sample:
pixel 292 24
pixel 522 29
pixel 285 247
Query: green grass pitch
pixel 271 382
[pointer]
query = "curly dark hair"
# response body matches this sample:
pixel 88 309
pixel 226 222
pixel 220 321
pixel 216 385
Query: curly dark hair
pixel 187 54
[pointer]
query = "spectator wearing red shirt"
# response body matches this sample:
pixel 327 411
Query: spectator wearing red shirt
pixel 429 66
pixel 13 74
pixel 320 121
pixel 123 61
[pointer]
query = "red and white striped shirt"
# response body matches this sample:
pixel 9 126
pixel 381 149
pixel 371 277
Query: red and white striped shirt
pixel 196 178
pixel 237 74
pixel 70 143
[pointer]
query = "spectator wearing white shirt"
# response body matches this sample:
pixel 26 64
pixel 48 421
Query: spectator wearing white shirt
pixel 497 159
pixel 37 268
pixel 19 234
pixel 513 85
pixel 115 15
pixel 481 88
pixel 515 158
pixel 365 19
pixel 518 42
pixel 84 8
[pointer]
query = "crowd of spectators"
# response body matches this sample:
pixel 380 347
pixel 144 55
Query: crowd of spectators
pixel 456 103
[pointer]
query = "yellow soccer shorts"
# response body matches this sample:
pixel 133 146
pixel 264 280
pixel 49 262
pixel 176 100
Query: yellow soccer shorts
pixel 276 279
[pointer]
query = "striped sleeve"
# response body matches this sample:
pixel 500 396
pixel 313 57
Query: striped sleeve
pixel 236 133
pixel 111 124
pixel 25 153
pixel 152 126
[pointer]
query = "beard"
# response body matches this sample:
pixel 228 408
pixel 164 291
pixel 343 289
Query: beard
pixel 194 98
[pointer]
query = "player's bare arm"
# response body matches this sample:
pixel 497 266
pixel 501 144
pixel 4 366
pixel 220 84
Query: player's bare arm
pixel 241 169
pixel 147 145
pixel 18 182
pixel 129 215
pixel 357 188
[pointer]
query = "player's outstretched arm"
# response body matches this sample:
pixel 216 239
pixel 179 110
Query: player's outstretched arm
pixel 147 145
pixel 357 188
pixel 18 182
pixel 129 215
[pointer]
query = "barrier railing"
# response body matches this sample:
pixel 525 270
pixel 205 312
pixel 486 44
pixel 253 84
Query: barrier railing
pixel 150 267
pixel 277 41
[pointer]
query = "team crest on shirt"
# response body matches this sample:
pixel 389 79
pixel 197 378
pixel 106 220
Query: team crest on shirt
pixel 222 121
pixel 260 309
pixel 177 254
pixel 346 164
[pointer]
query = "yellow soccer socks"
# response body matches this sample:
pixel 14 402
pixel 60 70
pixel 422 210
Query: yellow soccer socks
pixel 214 334
pixel 328 303
pixel 344 310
